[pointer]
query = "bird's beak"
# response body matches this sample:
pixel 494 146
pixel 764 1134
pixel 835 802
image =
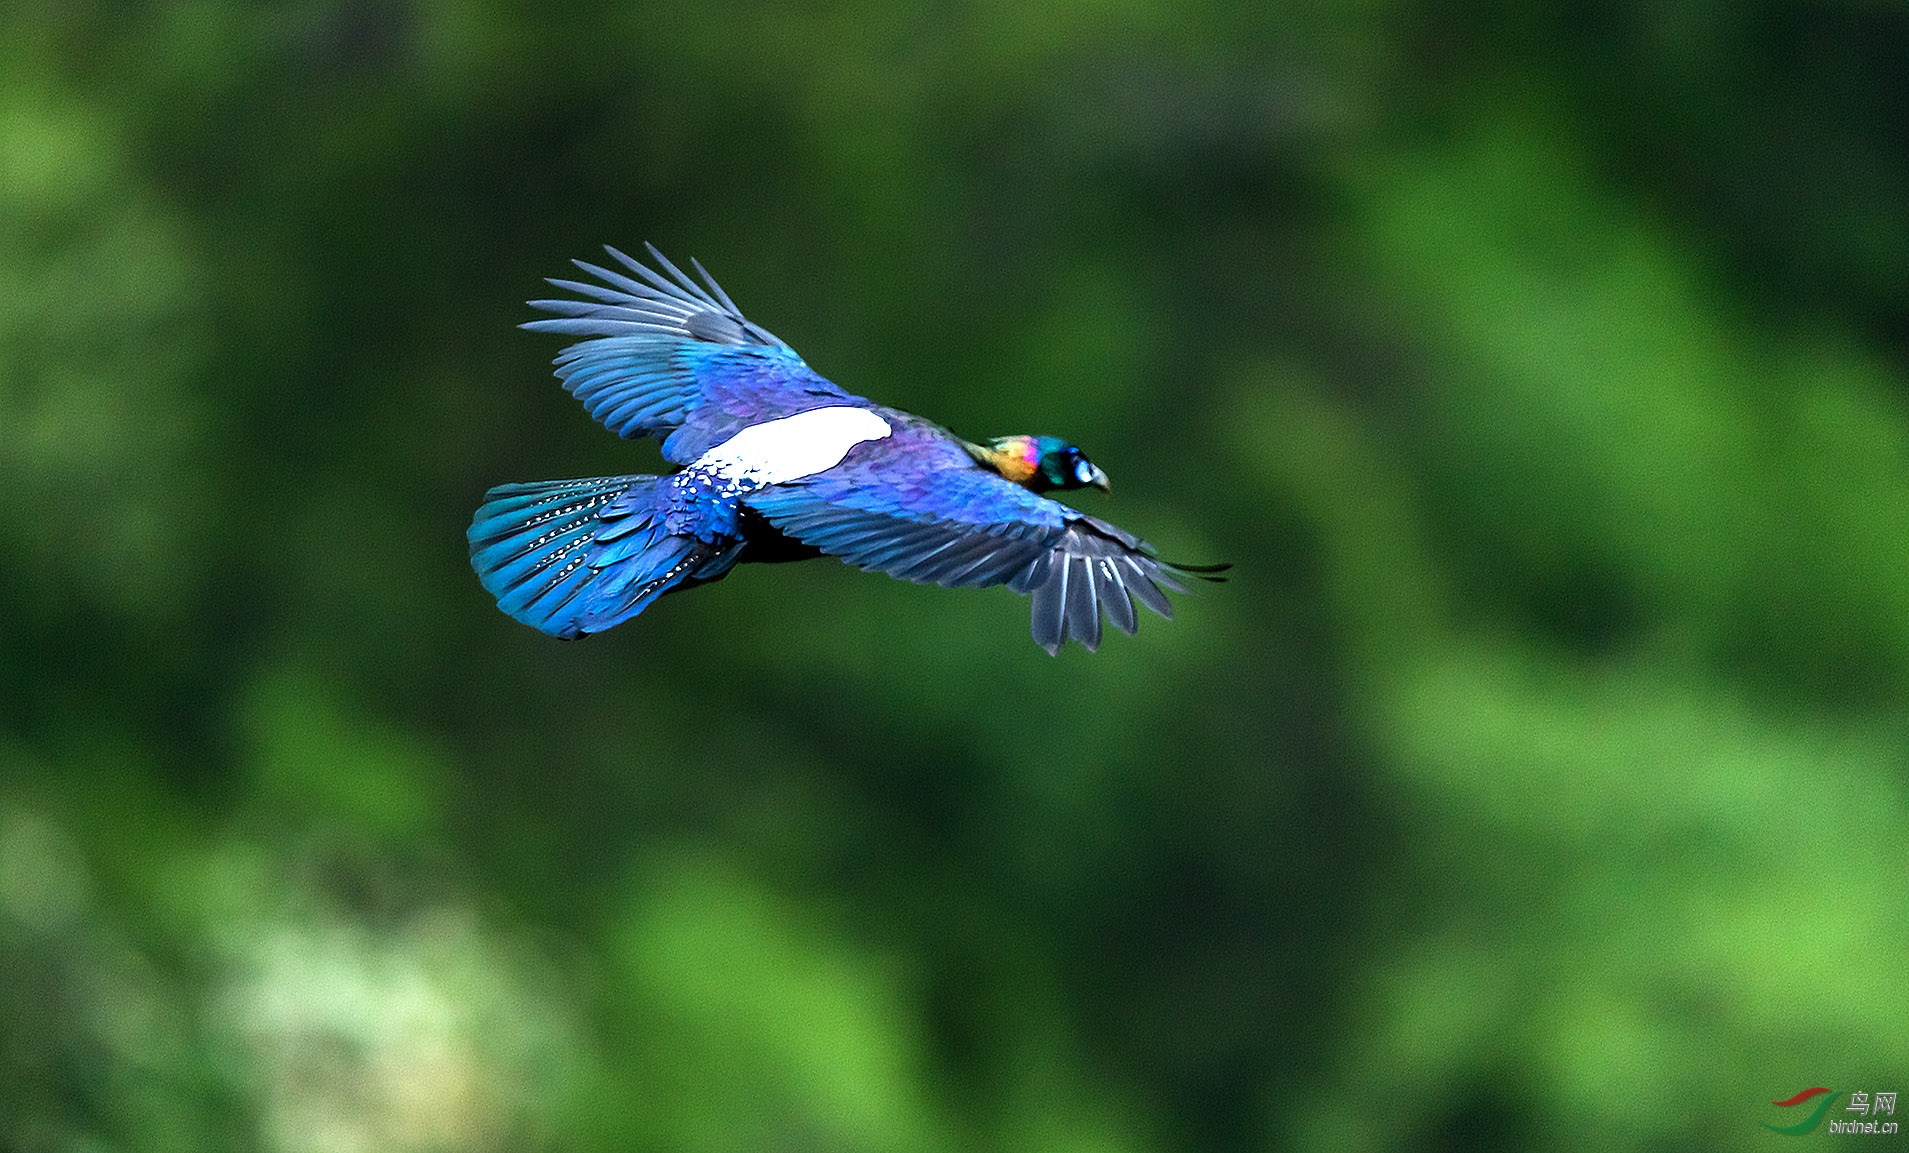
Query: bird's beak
pixel 1099 480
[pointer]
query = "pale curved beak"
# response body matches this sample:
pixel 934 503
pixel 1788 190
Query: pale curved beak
pixel 1098 479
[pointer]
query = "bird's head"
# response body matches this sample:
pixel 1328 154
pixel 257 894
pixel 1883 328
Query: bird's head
pixel 1041 463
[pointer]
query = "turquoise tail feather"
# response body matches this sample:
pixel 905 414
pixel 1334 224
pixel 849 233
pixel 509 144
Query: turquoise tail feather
pixel 574 557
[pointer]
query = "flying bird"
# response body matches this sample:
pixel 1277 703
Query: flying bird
pixel 778 464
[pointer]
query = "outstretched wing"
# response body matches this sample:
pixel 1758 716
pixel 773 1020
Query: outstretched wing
pixel 665 352
pixel 916 506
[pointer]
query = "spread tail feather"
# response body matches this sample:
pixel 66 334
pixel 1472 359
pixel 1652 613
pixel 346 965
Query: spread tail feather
pixel 574 557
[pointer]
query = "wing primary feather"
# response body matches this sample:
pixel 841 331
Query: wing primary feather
pixel 603 292
pixel 1046 615
pixel 629 290
pixel 574 307
pixel 967 553
pixel 953 569
pixel 681 277
pixel 1113 596
pixel 852 544
pixel 713 286
pixel 652 276
pixel 920 565
pixel 1083 604
pixel 590 326
pixel 603 321
pixel 1146 592
pixel 1057 577
pixel 635 288
pixel 1034 575
pixel 997 567
pixel 898 545
pixel 935 565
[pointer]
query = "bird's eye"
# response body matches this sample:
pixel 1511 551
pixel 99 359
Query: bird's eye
pixel 1083 472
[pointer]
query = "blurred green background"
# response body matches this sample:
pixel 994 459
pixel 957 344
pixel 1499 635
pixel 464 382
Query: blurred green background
pixel 1537 783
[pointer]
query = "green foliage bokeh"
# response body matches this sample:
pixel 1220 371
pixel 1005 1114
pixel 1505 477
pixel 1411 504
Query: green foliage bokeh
pixel 1538 782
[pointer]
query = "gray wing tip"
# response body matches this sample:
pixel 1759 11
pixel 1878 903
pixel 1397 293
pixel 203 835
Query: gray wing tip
pixel 668 302
pixel 1096 575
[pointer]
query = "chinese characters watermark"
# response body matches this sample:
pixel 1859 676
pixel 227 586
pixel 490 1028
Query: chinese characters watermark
pixel 1864 1103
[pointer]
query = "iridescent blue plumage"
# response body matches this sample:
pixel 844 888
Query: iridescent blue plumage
pixel 673 361
pixel 780 464
pixel 576 557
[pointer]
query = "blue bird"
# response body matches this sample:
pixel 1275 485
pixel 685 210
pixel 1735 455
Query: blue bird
pixel 778 464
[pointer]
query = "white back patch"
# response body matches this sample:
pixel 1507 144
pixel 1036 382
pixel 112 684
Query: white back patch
pixel 793 447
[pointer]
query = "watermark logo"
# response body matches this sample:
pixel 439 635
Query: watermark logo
pixel 1862 1103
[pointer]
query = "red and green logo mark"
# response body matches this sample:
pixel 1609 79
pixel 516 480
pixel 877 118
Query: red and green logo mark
pixel 1863 1103
pixel 1810 1122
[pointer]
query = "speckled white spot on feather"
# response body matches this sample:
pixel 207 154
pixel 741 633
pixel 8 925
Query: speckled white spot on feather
pixel 793 447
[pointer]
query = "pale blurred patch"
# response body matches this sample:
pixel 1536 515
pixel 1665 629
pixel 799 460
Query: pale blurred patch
pixel 254 1000
pixel 416 1038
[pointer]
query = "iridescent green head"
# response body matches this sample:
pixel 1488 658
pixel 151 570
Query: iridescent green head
pixel 1041 463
